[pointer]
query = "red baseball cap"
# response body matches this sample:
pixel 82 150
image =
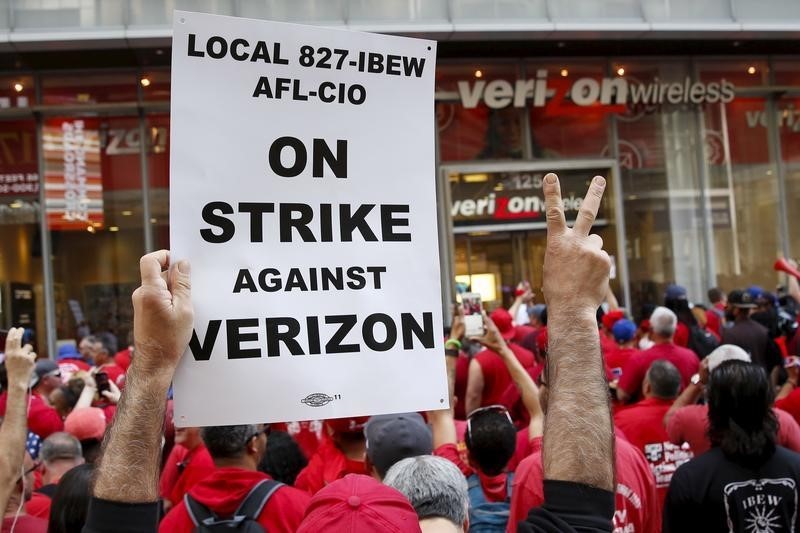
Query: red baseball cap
pixel 86 423
pixel 610 318
pixel 359 504
pixel 348 425
pixel 502 319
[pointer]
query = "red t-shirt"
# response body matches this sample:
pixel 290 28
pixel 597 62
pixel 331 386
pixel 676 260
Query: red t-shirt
pixel 637 366
pixel 25 524
pixel 115 373
pixel 326 466
pixel 690 424
pixel 681 337
pixel 39 505
pixel 512 399
pixel 70 366
pixel 522 331
pixel 42 419
pixel 196 466
pixel 494 487
pixel 462 376
pixel 616 359
pixel 496 378
pixel 170 473
pixel 607 344
pixel 636 507
pixel 225 489
pixel 643 425
pixel 123 359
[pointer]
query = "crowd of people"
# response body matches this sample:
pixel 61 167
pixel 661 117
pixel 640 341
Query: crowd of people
pixel 570 414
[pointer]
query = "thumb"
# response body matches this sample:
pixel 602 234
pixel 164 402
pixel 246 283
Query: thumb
pixel 180 282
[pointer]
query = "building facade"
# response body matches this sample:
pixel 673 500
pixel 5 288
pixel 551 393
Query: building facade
pixel 690 109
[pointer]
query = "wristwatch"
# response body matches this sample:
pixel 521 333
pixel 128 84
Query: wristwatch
pixel 695 380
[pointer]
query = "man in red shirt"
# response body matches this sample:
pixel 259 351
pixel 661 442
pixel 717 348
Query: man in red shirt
pixel 715 317
pixel 236 451
pixel 43 419
pixel 663 323
pixel 20 493
pixel 643 424
pixel 342 451
pixel 104 351
pixel 687 421
pixel 60 453
pixel 193 466
pixel 624 332
pixel 488 377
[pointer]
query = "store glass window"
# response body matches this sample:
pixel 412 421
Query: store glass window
pixel 743 189
pixel 787 73
pixel 479 115
pixel 17 92
pixel 158 174
pixel 21 278
pixel 155 85
pixel 71 89
pixel 567 118
pixel 94 212
pixel 659 153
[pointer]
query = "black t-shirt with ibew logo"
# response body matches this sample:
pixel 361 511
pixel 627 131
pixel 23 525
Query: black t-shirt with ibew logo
pixel 712 493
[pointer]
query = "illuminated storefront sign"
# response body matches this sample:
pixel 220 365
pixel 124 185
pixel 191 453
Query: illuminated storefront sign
pixel 514 197
pixel 73 179
pixel 497 94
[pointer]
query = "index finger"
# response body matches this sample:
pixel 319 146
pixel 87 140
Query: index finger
pixel 14 339
pixel 590 206
pixel 151 266
pixel 554 208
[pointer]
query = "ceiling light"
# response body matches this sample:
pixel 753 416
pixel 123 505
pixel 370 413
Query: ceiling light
pixel 127 213
pixel 90 229
pixel 564 73
pixel 18 87
pixel 475 178
pixel 478 74
pixel 145 82
pixel 751 69
pixel 620 71
pixel 153 220
pixel 16 204
pixel 113 228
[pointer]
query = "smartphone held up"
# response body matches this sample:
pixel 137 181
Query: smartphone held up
pixel 473 318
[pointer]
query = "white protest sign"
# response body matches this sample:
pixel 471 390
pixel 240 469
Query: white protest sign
pixel 303 193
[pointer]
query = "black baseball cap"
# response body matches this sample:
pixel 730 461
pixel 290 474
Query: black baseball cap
pixel 392 438
pixel 741 299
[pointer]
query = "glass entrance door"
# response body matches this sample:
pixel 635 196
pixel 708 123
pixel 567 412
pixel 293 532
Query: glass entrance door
pixel 499 225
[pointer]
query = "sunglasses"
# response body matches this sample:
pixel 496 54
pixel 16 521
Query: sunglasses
pixel 488 409
pixel 53 374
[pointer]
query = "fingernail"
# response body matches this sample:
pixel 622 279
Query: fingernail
pixel 599 180
pixel 550 178
pixel 184 267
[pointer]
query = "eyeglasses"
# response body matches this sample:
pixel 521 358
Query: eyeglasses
pixel 29 471
pixel 488 409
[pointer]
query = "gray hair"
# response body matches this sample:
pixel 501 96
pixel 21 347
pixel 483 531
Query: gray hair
pixel 663 322
pixel 61 446
pixel 435 487
pixel 227 442
pixel 665 379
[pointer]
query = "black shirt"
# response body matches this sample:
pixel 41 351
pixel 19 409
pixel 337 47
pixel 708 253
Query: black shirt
pixel 754 339
pixel 712 493
pixel 571 507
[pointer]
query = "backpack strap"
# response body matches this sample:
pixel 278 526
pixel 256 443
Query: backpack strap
pixel 509 485
pixel 257 498
pixel 198 512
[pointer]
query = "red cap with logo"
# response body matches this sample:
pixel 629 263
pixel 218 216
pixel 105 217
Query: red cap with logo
pixel 502 319
pixel 359 504
pixel 348 425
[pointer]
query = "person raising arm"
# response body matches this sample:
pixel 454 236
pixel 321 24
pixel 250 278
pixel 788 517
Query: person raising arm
pixel 125 494
pixel 578 445
pixel 13 431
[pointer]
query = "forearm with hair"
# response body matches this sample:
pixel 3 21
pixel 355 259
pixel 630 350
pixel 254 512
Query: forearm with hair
pixel 443 426
pixel 129 467
pixel 578 441
pixel 13 433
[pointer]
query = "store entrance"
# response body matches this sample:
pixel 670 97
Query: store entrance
pixel 499 228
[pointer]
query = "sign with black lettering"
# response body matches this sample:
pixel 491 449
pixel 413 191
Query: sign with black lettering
pixel 303 193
